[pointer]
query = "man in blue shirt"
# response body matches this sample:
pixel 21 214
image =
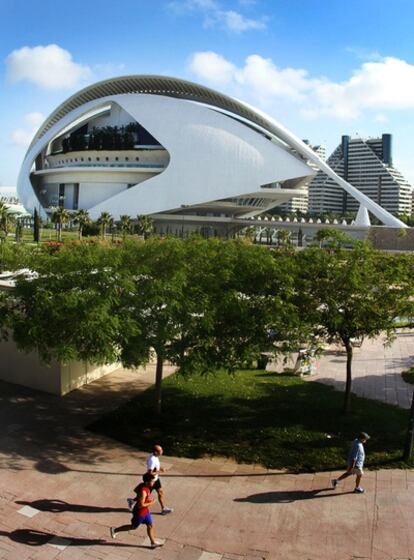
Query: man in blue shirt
pixel 356 458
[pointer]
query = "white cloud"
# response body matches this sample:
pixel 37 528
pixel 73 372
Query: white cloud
pixel 109 68
pixel 258 74
pixel 212 67
pixel 380 118
pixel 47 66
pixel 267 80
pixel 34 119
pixel 378 86
pixel 23 136
pixel 364 54
pixel 386 84
pixel 234 21
pixel 216 16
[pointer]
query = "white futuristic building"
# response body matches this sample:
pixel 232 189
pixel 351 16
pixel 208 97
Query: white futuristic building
pixel 168 148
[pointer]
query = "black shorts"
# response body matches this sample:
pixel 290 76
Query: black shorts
pixel 156 485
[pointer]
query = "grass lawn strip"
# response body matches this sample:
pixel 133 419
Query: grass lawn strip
pixel 278 421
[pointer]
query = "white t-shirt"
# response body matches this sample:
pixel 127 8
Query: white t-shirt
pixel 153 462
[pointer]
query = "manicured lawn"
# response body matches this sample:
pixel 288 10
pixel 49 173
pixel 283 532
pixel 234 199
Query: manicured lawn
pixel 46 234
pixel 408 375
pixel 258 417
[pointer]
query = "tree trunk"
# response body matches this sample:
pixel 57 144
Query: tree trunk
pixel 158 383
pixel 36 227
pixel 408 447
pixel 348 385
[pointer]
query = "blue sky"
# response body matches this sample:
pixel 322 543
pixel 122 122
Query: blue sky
pixel 322 68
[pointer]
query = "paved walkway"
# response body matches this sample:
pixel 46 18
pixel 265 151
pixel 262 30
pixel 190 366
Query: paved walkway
pixel 61 488
pixel 376 369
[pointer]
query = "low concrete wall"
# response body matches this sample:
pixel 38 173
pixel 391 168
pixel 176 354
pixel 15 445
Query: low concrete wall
pixel 392 239
pixel 27 369
pixel 76 374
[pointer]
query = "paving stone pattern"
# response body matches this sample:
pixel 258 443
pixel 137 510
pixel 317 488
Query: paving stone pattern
pixel 376 369
pixel 61 488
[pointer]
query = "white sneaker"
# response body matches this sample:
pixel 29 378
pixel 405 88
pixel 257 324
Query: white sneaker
pixel 166 510
pixel 113 533
pixel 131 503
pixel 359 490
pixel 157 545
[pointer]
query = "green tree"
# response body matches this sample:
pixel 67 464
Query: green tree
pixel 144 225
pixel 201 304
pixel 283 237
pixel 36 226
pixel 125 225
pixel 241 294
pixel 59 217
pixel 347 295
pixel 18 230
pixel 82 218
pixel 332 238
pixel 69 310
pixel 104 221
pixel 6 220
pixel 152 303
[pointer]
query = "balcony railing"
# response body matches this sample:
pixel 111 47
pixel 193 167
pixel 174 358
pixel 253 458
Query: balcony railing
pixel 106 165
pixel 127 137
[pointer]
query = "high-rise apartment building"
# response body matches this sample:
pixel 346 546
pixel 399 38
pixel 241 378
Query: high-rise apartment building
pixel 300 203
pixel 367 165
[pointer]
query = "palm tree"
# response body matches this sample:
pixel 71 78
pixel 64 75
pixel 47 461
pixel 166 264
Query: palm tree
pixel 104 221
pixel 81 218
pixel 5 219
pixel 282 236
pixel 59 217
pixel 250 233
pixel 112 228
pixel 125 224
pixel 145 225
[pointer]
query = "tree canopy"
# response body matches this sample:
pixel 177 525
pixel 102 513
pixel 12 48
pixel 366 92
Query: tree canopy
pixel 349 295
pixel 199 304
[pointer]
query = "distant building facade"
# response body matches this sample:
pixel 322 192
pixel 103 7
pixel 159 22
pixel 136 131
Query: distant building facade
pixel 301 203
pixel 367 165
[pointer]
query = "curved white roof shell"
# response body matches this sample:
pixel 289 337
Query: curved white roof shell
pixel 219 147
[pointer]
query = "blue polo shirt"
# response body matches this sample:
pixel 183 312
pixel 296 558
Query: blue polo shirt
pixel 357 454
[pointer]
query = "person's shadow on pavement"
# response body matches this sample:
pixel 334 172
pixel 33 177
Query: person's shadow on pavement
pixel 287 496
pixel 56 506
pixel 33 537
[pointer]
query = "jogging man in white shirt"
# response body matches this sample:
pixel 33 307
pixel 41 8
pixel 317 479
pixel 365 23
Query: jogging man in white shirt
pixel 154 467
